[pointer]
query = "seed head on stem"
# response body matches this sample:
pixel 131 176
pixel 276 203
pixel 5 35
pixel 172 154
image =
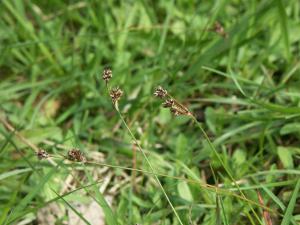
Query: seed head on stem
pixel 176 108
pixel 160 92
pixel 219 29
pixel 116 94
pixel 168 103
pixel 76 155
pixel 42 154
pixel 107 74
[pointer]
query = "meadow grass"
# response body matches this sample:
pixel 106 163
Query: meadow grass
pixel 229 155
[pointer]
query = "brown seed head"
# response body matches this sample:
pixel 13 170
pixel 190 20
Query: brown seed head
pixel 75 155
pixel 174 111
pixel 178 111
pixel 176 108
pixel 42 154
pixel 168 103
pixel 116 94
pixel 160 92
pixel 219 29
pixel 107 74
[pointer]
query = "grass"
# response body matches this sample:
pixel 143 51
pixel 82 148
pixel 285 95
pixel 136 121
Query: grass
pixel 241 88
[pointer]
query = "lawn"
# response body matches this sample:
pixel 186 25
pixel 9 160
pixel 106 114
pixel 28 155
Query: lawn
pixel 150 112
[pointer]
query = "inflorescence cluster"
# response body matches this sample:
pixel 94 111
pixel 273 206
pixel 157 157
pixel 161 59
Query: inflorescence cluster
pixel 175 107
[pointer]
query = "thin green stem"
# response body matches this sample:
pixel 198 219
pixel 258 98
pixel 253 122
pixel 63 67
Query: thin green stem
pixel 212 147
pixel 188 113
pixel 205 186
pixel 150 165
pixel 145 156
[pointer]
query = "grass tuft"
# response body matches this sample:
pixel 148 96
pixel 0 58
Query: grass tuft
pixel 220 144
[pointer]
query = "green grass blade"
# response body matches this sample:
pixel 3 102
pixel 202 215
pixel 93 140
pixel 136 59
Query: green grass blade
pixel 13 173
pixel 35 190
pixel 290 208
pixel 165 27
pixel 72 208
pixel 233 76
pixel 284 27
pixel 12 201
pixel 110 217
pixel 41 205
